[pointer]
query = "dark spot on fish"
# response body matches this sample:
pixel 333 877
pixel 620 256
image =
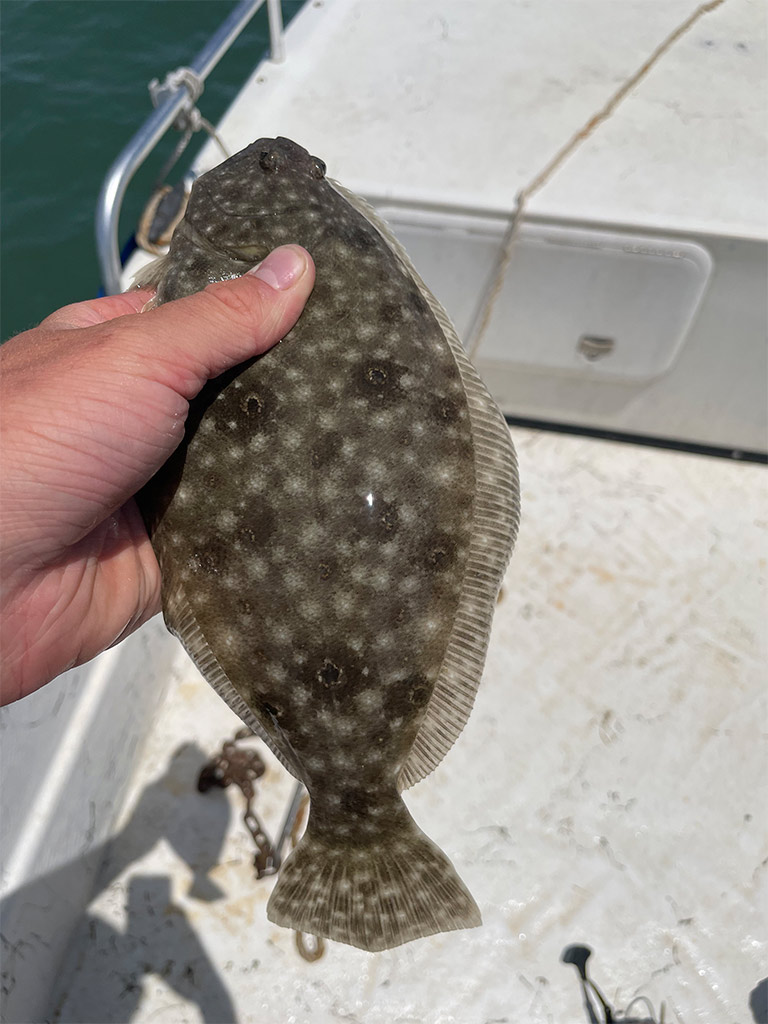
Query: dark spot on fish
pixel 388 517
pixel 354 802
pixel 361 238
pixel 325 448
pixel 415 301
pixel 381 381
pixel 252 406
pixel 210 560
pixel 268 161
pixel 446 410
pixel 270 709
pixel 244 606
pixel 260 527
pixel 318 168
pixel 207 562
pixel 437 557
pixel 441 553
pixel 402 437
pixel 335 676
pixel 207 402
pixel 329 674
pixel 323 287
pixel 391 312
pixel 377 522
pixel 417 690
pixel 255 410
pixel 325 571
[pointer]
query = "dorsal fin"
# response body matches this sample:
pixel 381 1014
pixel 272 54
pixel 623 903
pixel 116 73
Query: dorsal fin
pixel 494 528
pixel 151 274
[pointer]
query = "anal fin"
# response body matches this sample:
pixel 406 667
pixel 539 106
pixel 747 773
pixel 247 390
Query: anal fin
pixel 182 622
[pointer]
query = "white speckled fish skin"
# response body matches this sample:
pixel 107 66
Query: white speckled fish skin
pixel 332 535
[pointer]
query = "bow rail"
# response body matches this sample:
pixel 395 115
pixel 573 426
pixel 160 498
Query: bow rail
pixel 176 98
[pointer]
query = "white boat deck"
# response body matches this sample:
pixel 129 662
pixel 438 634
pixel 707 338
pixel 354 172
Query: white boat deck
pixel 610 789
pixel 463 104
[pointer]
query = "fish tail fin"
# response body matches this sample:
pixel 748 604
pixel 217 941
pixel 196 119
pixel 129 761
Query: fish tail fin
pixel 374 896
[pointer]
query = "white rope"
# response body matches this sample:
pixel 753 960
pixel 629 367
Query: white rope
pixel 485 309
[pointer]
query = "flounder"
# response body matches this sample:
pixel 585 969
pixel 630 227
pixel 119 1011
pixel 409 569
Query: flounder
pixel 332 534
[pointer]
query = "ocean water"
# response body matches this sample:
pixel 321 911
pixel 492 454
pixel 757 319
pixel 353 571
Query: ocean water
pixel 74 77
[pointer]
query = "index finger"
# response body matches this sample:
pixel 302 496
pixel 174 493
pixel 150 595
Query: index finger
pixel 98 311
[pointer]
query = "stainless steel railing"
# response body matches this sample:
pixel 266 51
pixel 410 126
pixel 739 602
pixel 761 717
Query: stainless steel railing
pixel 146 138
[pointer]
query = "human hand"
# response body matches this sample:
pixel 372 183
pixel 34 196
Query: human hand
pixel 94 401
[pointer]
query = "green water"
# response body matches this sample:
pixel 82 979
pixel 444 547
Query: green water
pixel 74 89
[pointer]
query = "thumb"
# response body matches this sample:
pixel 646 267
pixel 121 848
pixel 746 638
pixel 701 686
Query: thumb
pixel 187 342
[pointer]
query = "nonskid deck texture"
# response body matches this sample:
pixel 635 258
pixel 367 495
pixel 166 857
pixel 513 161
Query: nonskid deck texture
pixel 608 789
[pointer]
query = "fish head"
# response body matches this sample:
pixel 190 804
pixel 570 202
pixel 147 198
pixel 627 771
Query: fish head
pixel 272 193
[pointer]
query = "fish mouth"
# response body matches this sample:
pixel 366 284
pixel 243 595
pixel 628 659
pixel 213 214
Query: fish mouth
pixel 248 257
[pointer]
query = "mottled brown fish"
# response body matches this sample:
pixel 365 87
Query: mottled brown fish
pixel 332 535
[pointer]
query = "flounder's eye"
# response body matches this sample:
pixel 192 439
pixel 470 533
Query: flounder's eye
pixel 268 161
pixel 318 168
